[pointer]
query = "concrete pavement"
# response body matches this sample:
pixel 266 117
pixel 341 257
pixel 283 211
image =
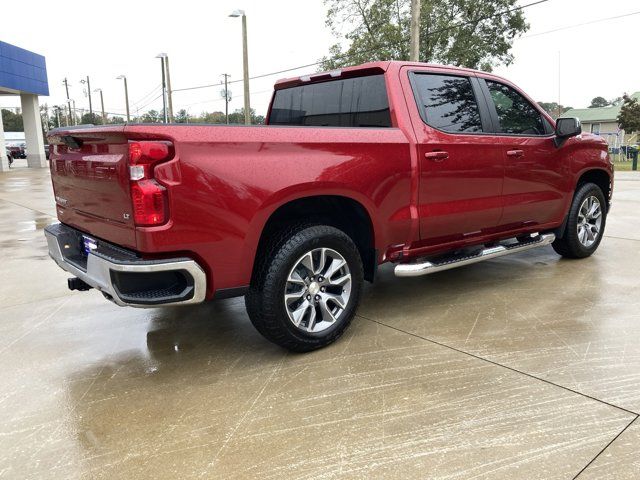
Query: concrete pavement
pixel 526 366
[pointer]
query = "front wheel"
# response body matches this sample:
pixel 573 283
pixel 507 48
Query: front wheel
pixel 585 223
pixel 306 289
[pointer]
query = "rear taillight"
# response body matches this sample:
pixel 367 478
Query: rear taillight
pixel 149 203
pixel 149 198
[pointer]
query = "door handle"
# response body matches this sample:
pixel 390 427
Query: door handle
pixel 437 156
pixel 515 153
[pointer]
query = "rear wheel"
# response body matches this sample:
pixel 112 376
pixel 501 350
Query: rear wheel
pixel 585 224
pixel 306 289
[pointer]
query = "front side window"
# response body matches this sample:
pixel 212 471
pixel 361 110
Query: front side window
pixel 447 103
pixel 516 115
pixel 352 102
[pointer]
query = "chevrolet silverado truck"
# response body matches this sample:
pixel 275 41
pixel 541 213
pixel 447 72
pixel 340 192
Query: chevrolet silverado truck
pixel 427 166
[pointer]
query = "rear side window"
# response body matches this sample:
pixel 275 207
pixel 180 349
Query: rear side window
pixel 516 115
pixel 352 102
pixel 447 103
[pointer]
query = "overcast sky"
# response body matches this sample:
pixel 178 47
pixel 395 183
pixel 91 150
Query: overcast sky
pixel 103 40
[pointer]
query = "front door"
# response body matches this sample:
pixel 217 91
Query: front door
pixel 461 166
pixel 535 175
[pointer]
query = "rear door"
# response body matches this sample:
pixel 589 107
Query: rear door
pixel 535 176
pixel 90 175
pixel 460 163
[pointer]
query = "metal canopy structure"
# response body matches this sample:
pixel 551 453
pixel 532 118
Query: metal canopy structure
pixel 24 73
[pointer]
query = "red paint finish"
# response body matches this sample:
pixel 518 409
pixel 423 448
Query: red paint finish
pixel 224 182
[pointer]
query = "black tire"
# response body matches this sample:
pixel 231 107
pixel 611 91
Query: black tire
pixel 265 299
pixel 569 246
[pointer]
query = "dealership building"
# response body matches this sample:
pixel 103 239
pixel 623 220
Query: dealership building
pixel 24 73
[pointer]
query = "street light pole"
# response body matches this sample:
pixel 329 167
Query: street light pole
pixel 245 65
pixel 414 48
pixel 104 117
pixel 126 94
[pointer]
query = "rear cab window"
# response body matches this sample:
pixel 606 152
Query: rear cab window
pixel 350 102
pixel 447 102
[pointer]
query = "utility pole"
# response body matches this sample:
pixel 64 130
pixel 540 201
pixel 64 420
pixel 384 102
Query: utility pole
pixel 89 94
pixel 169 99
pixel 126 93
pixel 414 48
pixel 245 65
pixel 104 116
pixel 66 86
pixel 57 108
pixel 162 57
pixel 226 97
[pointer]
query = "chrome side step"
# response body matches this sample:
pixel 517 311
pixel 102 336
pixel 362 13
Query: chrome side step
pixel 415 269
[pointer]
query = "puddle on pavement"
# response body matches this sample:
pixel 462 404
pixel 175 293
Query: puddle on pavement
pixel 38 223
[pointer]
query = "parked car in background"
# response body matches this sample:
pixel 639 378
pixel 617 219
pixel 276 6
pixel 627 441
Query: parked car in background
pixel 429 167
pixel 18 150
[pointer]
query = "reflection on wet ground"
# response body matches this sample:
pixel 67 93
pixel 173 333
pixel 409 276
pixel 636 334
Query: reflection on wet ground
pixel 522 367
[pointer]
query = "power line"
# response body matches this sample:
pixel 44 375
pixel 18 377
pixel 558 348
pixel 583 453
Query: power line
pixel 145 97
pixel 346 55
pixel 581 24
pixel 222 99
pixel 250 78
pixel 149 102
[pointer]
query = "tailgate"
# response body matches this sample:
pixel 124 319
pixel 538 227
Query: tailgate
pixel 90 175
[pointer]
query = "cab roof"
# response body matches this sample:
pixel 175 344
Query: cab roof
pixel 370 68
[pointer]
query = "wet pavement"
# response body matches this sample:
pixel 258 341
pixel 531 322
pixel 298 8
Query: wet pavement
pixel 526 366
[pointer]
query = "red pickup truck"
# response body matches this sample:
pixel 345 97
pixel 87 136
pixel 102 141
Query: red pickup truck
pixel 426 166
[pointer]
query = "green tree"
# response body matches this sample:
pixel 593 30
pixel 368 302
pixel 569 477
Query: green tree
pixel 213 117
pixel 599 102
pixel 469 33
pixel 629 116
pixel 616 101
pixel 58 117
pixel 12 121
pixel 152 116
pixel 237 117
pixel 91 119
pixel 181 116
pixel 116 120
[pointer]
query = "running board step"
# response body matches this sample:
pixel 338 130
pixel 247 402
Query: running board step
pixel 415 269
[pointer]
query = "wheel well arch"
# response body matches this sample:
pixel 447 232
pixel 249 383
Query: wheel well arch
pixel 339 211
pixel 599 177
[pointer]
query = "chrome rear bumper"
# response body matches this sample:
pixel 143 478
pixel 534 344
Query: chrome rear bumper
pixel 125 278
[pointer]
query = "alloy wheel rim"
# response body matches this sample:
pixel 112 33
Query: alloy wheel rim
pixel 317 290
pixel 589 221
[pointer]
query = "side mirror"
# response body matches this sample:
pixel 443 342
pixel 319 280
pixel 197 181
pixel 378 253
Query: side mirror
pixel 568 127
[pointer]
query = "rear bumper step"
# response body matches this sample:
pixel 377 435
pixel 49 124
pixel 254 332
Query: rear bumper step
pixel 124 277
pixel 418 268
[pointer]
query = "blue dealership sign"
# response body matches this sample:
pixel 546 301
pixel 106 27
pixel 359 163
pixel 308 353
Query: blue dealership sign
pixel 22 70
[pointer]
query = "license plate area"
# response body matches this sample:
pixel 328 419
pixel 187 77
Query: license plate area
pixel 88 245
